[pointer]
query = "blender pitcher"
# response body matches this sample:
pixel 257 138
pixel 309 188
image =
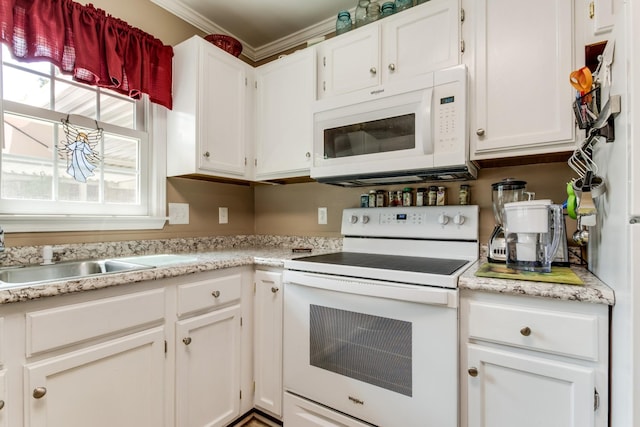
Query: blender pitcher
pixel 533 230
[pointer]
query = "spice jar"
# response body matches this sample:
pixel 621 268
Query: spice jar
pixel 364 200
pixel 420 196
pixel 372 198
pixel 407 196
pixel 463 194
pixel 441 196
pixel 432 195
pixel 380 199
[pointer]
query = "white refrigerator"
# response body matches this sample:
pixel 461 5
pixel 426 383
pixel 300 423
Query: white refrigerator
pixel 614 245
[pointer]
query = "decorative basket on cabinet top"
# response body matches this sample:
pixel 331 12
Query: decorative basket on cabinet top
pixel 227 43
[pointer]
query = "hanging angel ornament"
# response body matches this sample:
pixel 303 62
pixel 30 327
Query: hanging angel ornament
pixel 79 149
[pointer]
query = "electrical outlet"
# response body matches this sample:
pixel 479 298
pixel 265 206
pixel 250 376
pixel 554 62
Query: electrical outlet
pixel 223 215
pixel 178 213
pixel 322 216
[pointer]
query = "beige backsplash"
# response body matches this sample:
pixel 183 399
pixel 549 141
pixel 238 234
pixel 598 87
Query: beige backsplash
pixel 291 210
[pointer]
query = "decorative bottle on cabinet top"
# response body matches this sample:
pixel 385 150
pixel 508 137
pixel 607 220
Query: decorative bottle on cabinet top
pixel 343 22
pixel 403 4
pixel 360 17
pixel 373 11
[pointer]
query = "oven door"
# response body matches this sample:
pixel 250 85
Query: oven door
pixel 381 352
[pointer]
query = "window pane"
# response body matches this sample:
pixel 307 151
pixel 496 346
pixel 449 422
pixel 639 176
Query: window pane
pixel 26 88
pixel 27 158
pixel 41 66
pixel 70 190
pixel 72 99
pixel 117 111
pixel 121 164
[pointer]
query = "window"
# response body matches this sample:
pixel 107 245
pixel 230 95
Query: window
pixel 39 190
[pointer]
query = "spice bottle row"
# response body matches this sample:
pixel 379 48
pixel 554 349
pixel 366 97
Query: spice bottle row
pixel 427 196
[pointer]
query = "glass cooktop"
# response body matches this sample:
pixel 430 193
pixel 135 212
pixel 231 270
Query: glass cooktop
pixel 441 266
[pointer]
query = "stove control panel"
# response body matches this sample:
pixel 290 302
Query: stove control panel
pixel 422 222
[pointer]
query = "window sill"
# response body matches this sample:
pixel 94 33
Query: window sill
pixel 47 223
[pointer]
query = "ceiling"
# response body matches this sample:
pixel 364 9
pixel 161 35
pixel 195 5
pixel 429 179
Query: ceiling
pixel 265 27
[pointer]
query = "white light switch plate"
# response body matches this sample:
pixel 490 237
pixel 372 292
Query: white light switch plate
pixel 178 213
pixel 322 216
pixel 223 215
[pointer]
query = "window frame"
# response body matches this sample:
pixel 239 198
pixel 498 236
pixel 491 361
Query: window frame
pixel 152 211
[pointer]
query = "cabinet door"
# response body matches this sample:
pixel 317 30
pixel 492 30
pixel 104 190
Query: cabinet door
pixel 221 118
pixel 4 416
pixel 285 93
pixel 421 40
pixel 349 62
pixel 523 54
pixel 268 341
pixel 208 369
pixel 118 383
pixel 507 389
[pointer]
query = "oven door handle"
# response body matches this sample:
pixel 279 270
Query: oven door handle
pixel 374 288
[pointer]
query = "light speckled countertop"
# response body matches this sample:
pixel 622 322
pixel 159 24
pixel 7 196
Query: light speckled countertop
pixel 593 290
pixel 205 261
pixel 235 251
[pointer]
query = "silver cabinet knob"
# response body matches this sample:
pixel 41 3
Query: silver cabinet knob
pixel 526 331
pixel 473 371
pixel 308 155
pixel 186 340
pixel 207 154
pixel 1 404
pixel 480 132
pixel 39 392
pixel 274 289
pixel 392 67
pixel 215 294
pixel 373 70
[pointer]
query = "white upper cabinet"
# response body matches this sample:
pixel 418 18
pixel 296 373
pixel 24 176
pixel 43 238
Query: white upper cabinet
pixel 519 57
pixel 207 128
pixel 413 42
pixel 285 91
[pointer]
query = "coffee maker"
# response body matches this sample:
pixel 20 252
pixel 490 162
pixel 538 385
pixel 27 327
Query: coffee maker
pixel 506 191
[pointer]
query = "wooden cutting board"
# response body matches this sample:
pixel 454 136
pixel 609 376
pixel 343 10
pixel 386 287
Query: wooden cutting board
pixel 563 275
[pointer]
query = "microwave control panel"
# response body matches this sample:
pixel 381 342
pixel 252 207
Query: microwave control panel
pixel 448 117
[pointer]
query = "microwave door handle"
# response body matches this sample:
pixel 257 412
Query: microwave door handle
pixel 428 122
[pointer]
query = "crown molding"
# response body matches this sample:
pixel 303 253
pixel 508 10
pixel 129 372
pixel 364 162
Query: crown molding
pixel 253 53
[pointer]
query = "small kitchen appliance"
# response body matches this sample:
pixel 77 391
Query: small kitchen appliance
pixel 533 230
pixel 506 191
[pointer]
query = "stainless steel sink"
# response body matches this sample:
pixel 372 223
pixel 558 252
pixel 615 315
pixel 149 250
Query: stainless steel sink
pixel 64 270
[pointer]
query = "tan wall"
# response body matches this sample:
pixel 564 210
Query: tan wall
pixel 292 209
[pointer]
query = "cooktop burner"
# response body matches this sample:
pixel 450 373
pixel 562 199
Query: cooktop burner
pixel 440 266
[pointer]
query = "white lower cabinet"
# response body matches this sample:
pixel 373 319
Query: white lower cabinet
pixel 117 383
pixel 268 306
pixel 531 362
pixel 300 412
pixel 4 418
pixel 208 368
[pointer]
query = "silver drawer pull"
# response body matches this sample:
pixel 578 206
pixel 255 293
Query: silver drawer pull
pixel 215 294
pixel 274 289
pixel 373 70
pixel 526 331
pixel 39 392
pixel 186 340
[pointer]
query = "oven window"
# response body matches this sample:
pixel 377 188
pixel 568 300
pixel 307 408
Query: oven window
pixel 377 136
pixel 373 349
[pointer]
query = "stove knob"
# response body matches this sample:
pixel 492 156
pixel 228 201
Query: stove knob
pixel 458 219
pixel 353 219
pixel 443 219
pixel 365 219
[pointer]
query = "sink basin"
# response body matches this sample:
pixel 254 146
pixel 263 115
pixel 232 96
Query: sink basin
pixel 65 270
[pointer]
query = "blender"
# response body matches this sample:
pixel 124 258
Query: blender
pixel 506 191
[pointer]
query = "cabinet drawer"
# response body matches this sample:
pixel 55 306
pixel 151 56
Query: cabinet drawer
pixel 57 327
pixel 209 293
pixel 564 333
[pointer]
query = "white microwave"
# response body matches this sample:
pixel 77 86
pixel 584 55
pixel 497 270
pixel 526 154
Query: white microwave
pixel 412 132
